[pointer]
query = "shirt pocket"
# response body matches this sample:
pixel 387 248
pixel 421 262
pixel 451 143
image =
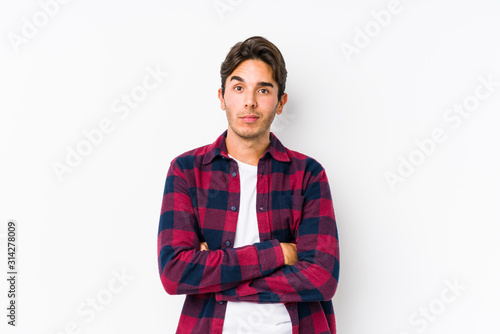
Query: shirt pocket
pixel 289 216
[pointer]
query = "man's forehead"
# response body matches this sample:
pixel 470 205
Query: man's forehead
pixel 252 70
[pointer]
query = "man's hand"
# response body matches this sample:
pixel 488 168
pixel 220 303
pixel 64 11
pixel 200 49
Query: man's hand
pixel 203 246
pixel 289 252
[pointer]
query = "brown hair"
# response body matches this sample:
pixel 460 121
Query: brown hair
pixel 257 48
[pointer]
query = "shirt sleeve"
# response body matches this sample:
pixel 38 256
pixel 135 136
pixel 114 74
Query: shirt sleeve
pixel 184 269
pixel 315 275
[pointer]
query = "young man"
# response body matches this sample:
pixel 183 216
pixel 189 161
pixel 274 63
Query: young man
pixel 247 228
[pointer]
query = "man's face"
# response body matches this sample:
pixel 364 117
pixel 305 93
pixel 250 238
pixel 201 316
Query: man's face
pixel 251 99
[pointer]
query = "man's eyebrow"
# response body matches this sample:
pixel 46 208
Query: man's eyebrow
pixel 237 78
pixel 262 83
pixel 266 84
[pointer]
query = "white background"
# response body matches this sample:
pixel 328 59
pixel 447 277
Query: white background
pixel 401 247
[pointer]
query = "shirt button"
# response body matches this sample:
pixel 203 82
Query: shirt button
pixel 221 302
pixel 233 208
pixel 228 243
pixel 261 208
pixel 234 174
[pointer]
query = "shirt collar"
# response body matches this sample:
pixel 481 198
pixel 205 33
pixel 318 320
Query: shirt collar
pixel 218 148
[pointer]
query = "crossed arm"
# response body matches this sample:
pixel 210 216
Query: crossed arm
pixel 266 271
pixel 289 252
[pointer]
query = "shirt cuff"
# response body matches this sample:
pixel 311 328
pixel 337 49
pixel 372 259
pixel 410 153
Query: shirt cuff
pixel 270 256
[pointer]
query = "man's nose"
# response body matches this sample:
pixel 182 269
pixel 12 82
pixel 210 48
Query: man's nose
pixel 250 100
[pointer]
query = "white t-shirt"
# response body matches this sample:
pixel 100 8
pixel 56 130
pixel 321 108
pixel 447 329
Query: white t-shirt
pixel 246 317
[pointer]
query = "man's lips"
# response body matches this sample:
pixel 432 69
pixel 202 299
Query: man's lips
pixel 249 118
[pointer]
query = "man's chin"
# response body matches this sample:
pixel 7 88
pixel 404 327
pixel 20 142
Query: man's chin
pixel 249 134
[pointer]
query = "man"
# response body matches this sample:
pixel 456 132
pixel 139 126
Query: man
pixel 247 228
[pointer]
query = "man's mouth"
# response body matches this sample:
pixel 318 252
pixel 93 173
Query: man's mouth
pixel 249 118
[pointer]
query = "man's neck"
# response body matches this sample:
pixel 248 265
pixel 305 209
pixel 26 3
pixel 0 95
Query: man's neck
pixel 246 150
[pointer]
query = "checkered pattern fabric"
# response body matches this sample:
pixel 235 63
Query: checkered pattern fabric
pixel 200 203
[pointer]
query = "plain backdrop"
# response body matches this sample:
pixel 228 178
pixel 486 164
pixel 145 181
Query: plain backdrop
pixel 419 256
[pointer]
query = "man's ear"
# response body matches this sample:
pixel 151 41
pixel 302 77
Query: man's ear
pixel 221 98
pixel 281 103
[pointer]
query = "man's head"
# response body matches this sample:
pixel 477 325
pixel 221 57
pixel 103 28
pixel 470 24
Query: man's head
pixel 253 83
pixel 257 48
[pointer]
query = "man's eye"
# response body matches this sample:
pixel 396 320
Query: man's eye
pixel 238 88
pixel 264 91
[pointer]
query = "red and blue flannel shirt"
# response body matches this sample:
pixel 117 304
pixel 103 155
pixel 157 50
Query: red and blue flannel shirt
pixel 294 204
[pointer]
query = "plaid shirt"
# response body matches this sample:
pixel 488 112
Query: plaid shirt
pixel 200 203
